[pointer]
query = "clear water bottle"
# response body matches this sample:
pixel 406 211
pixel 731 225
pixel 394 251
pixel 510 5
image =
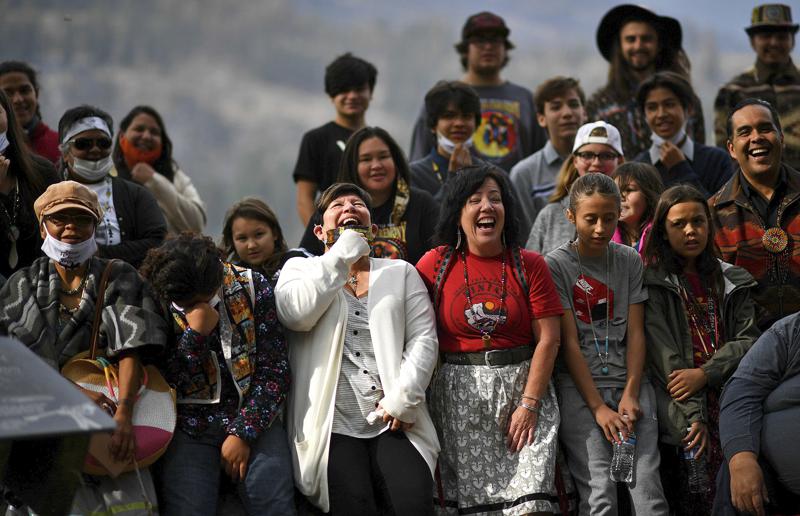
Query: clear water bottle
pixel 623 459
pixel 696 470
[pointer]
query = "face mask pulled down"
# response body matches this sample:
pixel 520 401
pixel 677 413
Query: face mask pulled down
pixel 92 171
pixel 69 256
pixel 448 145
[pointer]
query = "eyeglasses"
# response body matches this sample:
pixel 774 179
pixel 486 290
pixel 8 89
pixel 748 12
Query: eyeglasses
pixel 85 144
pixel 60 220
pixel 602 156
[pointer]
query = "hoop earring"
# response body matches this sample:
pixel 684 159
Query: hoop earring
pixel 458 237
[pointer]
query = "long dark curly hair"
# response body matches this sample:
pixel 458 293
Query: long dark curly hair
pixel 456 192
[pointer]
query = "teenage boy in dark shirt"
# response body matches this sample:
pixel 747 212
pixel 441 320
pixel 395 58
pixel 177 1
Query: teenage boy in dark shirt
pixel 349 82
pixel 453 111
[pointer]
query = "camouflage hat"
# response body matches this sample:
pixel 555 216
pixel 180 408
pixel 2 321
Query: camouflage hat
pixel 771 18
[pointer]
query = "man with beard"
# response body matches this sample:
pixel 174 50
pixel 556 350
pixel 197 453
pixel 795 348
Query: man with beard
pixel 756 212
pixel 636 43
pixel 774 77
pixel 507 132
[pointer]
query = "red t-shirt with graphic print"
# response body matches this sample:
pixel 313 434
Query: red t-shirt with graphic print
pixel 459 324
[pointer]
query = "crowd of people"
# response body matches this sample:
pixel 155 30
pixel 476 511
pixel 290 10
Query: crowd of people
pixel 549 290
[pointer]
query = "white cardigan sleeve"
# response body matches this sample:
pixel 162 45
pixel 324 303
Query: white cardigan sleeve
pixel 180 202
pixel 307 286
pixel 420 353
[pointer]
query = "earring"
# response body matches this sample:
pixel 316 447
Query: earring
pixel 503 239
pixel 458 237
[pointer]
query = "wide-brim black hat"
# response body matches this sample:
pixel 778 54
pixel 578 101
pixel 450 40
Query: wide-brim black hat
pixel 669 30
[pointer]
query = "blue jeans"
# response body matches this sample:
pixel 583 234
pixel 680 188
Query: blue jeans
pixel 189 474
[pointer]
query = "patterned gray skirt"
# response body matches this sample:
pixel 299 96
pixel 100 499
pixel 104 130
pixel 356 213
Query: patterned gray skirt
pixel 470 406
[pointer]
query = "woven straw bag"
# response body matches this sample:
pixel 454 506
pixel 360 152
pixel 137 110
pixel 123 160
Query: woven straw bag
pixel 154 413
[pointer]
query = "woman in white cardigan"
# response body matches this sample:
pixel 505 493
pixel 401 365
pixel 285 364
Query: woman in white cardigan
pixel 362 341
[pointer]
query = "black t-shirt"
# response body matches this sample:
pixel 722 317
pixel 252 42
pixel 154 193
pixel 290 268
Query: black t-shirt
pixel 320 153
pixel 422 212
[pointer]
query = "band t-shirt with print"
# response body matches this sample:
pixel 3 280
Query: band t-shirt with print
pixel 591 295
pixel 460 325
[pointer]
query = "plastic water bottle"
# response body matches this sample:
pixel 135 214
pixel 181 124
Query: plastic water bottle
pixel 696 471
pixel 623 459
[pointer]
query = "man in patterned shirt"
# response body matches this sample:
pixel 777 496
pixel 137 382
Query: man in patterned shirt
pixel 773 77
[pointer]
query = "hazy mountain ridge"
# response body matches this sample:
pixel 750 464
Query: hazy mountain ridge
pixel 239 82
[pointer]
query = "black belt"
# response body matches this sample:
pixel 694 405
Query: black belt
pixel 494 357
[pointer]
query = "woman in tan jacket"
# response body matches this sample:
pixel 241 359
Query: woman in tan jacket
pixel 144 154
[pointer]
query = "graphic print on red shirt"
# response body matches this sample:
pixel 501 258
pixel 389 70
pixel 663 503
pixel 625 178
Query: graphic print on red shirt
pixel 594 292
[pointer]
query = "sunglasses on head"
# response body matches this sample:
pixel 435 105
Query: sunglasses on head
pixel 85 144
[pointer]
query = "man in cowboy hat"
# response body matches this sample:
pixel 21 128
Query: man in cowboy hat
pixel 507 131
pixel 774 77
pixel 637 42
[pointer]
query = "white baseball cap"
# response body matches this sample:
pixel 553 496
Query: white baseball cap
pixel 598 132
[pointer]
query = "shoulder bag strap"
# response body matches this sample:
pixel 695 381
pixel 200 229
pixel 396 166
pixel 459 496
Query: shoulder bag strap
pixel 98 306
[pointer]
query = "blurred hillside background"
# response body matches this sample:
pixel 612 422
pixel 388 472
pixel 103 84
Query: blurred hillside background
pixel 238 82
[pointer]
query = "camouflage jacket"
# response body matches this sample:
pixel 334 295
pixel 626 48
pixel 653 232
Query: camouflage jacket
pixel 781 88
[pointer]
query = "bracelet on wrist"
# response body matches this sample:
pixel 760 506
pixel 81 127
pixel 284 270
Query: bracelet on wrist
pixel 535 400
pixel 532 408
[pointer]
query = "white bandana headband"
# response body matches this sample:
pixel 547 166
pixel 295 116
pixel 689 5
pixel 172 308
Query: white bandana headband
pixel 86 124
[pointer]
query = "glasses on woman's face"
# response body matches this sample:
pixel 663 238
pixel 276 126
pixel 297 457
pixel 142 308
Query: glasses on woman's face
pixel 591 156
pixel 85 144
pixel 60 220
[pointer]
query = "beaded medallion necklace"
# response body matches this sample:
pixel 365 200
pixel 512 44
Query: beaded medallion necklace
pixel 486 333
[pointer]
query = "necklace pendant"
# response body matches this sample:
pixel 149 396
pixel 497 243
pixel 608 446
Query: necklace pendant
pixel 487 340
pixel 604 369
pixel 775 240
pixel 13 233
pixel 13 257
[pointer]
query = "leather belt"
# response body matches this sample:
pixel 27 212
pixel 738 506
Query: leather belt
pixel 494 357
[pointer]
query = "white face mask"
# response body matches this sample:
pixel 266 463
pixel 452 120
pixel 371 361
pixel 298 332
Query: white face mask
pixel 447 145
pixel 69 255
pixel 676 138
pixel 92 171
pixel 3 141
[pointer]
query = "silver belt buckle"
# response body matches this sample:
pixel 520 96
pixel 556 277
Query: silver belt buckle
pixel 488 354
